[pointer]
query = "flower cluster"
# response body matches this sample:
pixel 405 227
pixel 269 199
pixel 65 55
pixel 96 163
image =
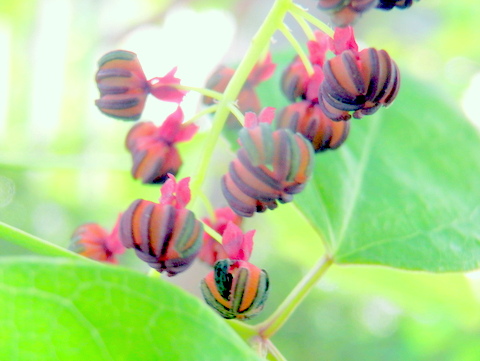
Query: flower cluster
pixel 351 83
pixel 123 89
pixel 333 83
pixel 346 12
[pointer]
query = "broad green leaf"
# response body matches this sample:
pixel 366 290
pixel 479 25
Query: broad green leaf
pixel 58 309
pixel 403 191
pixel 287 241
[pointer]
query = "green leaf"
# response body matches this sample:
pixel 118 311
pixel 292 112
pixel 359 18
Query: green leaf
pixel 403 190
pixel 59 309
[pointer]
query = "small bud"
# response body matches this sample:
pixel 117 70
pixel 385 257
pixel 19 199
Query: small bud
pixel 236 289
pixel 271 165
pixel 165 237
pixel 358 82
pixel 309 120
pixel 122 85
pixel 153 149
pixel 94 242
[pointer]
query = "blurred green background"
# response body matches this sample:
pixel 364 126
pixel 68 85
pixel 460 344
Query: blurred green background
pixel 62 163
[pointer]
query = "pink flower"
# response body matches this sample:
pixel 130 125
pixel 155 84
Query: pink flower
pixel 163 88
pixel 153 148
pixel 212 251
pixel 343 39
pixel 92 241
pixel 237 245
pixel 266 116
pixel 175 193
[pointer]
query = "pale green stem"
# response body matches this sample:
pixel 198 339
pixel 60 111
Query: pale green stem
pixel 210 109
pixel 259 43
pixel 237 113
pixel 304 25
pixel 208 205
pixel 298 48
pixel 297 10
pixel 212 233
pixel 204 91
pixel 36 244
pixel 274 351
pixel 270 326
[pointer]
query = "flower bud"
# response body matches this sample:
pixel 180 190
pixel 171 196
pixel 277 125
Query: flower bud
pixel 358 82
pixel 309 120
pixel 271 165
pixel 166 237
pixel 236 289
pixel 122 85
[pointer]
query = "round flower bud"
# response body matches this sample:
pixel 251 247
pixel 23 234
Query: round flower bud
pixel 93 241
pixel 122 85
pixel 295 80
pixel 236 289
pixel 271 165
pixel 165 237
pixel 358 82
pixel 309 120
pixel 152 160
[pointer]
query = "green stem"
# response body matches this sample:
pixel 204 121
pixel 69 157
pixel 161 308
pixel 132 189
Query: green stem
pixel 259 43
pixel 237 113
pixel 35 244
pixel 298 11
pixel 270 326
pixel 201 113
pixel 274 351
pixel 204 91
pixel 298 48
pixel 305 26
pixel 212 233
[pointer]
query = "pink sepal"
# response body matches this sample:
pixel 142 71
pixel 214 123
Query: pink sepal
pixel 343 39
pixel 161 88
pixel 237 245
pixel 175 193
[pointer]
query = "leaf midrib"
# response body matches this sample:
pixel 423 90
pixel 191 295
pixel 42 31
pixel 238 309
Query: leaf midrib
pixel 359 176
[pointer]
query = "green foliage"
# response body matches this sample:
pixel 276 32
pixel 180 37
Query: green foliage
pixel 401 191
pixel 65 310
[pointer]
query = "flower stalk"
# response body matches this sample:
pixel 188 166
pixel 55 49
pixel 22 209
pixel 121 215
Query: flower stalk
pixel 259 44
pixel 270 326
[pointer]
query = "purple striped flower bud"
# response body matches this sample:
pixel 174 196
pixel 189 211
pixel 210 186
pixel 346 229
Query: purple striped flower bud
pixel 168 238
pixel 236 289
pixel 358 82
pixel 122 84
pixel 309 120
pixel 271 166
